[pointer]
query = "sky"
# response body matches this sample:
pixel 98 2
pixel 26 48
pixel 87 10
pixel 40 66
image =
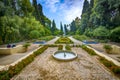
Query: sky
pixel 62 10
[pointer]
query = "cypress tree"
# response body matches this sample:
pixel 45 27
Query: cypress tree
pixel 61 28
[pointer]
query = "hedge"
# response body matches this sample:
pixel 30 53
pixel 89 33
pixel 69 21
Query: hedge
pixel 110 65
pixel 90 51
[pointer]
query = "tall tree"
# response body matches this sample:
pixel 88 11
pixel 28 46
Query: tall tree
pixel 61 28
pixel 26 7
pixel 53 28
pixel 65 28
pixel 73 27
pixel 85 16
pixel 85 6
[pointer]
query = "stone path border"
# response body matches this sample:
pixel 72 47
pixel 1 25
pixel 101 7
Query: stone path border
pixel 105 56
pixel 6 67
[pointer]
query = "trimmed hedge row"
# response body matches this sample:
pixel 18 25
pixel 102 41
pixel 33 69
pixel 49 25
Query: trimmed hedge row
pixel 14 70
pixel 110 65
pixel 90 51
pixel 115 69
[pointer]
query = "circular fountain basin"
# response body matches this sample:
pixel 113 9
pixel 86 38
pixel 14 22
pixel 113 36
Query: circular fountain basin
pixel 64 55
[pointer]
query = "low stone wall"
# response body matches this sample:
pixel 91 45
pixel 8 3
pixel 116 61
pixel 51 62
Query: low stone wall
pixel 17 49
pixel 105 56
pixel 6 67
pixel 116 49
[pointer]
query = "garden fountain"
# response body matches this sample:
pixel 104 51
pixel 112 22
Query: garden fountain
pixel 64 55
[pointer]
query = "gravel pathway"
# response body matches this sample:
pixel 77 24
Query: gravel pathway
pixel 45 67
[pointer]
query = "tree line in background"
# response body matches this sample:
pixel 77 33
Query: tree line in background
pixel 23 20
pixel 100 19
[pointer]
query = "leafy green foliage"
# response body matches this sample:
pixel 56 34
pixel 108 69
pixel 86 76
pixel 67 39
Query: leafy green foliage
pixel 101 32
pixel 108 47
pixel 63 40
pixel 14 70
pixel 115 69
pixel 53 28
pixel 46 38
pixel 61 29
pixel 60 47
pixel 68 47
pixel 18 23
pixel 115 34
pixel 98 18
pixel 90 51
pixel 34 34
pixel 81 37
pixel 65 28
pixel 26 45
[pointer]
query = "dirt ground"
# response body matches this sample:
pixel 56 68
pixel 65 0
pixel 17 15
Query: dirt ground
pixel 45 67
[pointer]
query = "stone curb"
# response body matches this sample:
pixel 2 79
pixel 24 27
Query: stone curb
pixel 6 67
pixel 105 56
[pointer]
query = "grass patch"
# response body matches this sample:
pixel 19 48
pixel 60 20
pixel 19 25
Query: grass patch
pixel 63 40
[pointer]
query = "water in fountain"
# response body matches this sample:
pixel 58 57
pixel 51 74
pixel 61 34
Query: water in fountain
pixel 64 55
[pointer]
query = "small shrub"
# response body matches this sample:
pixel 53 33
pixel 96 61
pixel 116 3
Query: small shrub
pixel 110 65
pixel 108 48
pixel 81 37
pixel 26 45
pixel 60 47
pixel 68 47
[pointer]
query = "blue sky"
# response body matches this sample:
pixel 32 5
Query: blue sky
pixel 62 10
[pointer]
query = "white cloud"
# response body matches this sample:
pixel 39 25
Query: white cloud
pixel 71 9
pixel 52 4
pixel 65 11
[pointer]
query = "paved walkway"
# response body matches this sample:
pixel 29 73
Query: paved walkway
pixel 45 67
pixel 98 47
pixel 52 41
pixel 8 59
pixel 77 42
